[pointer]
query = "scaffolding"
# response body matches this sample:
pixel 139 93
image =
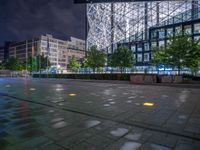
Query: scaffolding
pixel 111 23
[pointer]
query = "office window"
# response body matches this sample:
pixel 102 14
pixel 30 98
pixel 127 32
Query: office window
pixel 139 48
pixel 162 34
pixel 153 45
pixel 197 28
pixel 196 38
pixel 146 46
pixel 188 29
pixel 139 57
pixel 187 15
pixel 177 30
pixel 169 32
pixel 133 49
pixel 146 57
pixel 154 34
pixel 161 43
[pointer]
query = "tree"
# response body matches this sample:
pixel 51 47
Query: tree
pixel 181 52
pixel 13 64
pixel 1 66
pixel 37 63
pixel 94 58
pixel 74 65
pixel 122 58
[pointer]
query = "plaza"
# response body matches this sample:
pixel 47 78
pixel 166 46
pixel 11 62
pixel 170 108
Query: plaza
pixel 50 114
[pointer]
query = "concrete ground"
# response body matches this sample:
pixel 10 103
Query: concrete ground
pixel 41 114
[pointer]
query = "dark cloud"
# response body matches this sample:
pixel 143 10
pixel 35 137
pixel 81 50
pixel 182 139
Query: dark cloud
pixel 24 19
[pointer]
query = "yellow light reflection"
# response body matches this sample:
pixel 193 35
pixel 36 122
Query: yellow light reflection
pixel 148 104
pixel 72 94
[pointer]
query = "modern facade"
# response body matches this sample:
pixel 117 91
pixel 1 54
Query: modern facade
pixel 140 25
pixel 58 51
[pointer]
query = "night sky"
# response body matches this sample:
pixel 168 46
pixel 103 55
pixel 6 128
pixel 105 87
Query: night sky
pixel 24 19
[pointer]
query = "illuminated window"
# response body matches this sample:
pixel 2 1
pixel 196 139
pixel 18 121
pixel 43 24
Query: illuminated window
pixel 197 28
pixel 139 48
pixel 169 32
pixel 139 57
pixel 162 34
pixel 146 47
pixel 188 29
pixel 161 43
pixel 153 45
pixel 146 57
pixel 133 48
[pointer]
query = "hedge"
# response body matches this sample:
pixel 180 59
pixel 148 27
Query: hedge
pixel 195 78
pixel 125 77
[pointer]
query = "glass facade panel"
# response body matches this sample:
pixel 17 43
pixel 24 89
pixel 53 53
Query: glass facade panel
pixel 146 57
pixel 153 45
pixel 146 46
pixel 169 32
pixel 161 34
pixel 133 48
pixel 188 29
pixel 139 57
pixel 196 38
pixel 154 34
pixel 139 47
pixel 197 28
pixel 177 30
pixel 161 43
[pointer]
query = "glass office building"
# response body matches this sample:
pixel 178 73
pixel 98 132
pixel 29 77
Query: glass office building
pixel 141 26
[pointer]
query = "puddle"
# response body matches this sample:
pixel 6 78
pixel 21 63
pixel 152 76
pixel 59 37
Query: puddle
pixel 60 104
pixel 106 105
pixel 60 124
pixel 60 89
pixel 182 117
pixel 88 102
pixel 51 111
pixel 7 86
pixel 32 89
pixel 92 123
pixel 131 97
pixel 112 102
pixel 119 132
pixel 125 93
pixel 110 99
pixel 165 96
pixel 134 136
pixel 128 101
pixel 130 146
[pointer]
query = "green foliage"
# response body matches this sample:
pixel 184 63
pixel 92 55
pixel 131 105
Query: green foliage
pixel 37 63
pixel 2 66
pixel 181 52
pixel 95 58
pixel 13 64
pixel 122 57
pixel 74 65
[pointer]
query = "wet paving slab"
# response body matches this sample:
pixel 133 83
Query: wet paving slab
pixel 65 114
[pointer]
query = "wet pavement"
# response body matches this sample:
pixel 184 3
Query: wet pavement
pixel 39 114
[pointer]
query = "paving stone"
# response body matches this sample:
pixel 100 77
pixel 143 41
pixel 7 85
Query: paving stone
pixel 77 124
